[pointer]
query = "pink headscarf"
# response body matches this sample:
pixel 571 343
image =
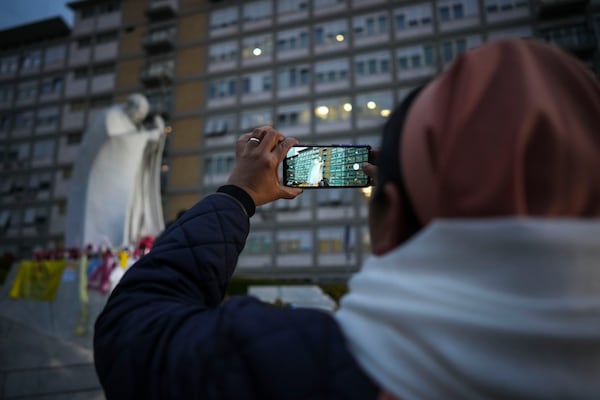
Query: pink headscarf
pixel 511 128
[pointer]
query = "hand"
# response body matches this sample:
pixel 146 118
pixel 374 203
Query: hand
pixel 371 168
pixel 257 163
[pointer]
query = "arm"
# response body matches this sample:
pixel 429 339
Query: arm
pixel 165 332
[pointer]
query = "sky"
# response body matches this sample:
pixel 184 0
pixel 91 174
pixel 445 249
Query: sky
pixel 19 12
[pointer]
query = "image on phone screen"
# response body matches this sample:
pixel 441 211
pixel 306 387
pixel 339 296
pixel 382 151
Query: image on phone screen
pixel 334 166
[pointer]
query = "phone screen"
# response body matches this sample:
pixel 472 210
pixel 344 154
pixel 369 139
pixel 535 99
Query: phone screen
pixel 334 166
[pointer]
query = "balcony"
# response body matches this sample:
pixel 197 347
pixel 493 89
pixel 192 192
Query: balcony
pixel 159 41
pixel 560 8
pixel 157 75
pixel 161 9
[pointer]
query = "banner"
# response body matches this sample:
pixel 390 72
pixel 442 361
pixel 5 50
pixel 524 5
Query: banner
pixel 37 280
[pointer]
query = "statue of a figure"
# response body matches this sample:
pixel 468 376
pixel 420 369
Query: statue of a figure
pixel 114 195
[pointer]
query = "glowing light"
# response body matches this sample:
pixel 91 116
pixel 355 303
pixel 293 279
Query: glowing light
pixel 322 111
pixel 366 191
pixel 348 107
pixel 371 105
pixel 339 37
pixel 257 51
pixel 355 166
pixel 168 129
pixel 385 112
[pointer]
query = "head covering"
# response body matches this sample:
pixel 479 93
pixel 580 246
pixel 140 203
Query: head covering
pixel 511 128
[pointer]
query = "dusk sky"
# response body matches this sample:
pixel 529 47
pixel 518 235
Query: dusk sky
pixel 18 12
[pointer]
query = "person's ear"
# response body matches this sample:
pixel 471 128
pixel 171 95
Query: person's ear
pixel 386 222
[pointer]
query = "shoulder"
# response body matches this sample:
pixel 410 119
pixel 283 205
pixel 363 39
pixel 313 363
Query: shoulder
pixel 299 351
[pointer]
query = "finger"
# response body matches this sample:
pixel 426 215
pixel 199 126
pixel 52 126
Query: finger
pixel 290 193
pixel 370 170
pixel 271 138
pixel 285 146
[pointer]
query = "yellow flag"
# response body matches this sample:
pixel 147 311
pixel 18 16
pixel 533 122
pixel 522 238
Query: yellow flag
pixel 37 280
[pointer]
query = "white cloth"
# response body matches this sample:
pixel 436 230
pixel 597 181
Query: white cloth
pixel 499 308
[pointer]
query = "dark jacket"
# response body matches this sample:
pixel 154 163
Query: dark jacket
pixel 166 332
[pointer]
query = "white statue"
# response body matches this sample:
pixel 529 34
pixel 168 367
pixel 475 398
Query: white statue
pixel 114 194
pixel 316 172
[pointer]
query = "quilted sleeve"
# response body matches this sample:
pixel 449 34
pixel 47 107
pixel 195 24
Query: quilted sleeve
pixel 166 334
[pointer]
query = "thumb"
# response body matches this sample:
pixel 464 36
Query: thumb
pixel 290 193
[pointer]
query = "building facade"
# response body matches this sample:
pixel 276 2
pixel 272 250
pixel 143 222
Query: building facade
pixel 324 71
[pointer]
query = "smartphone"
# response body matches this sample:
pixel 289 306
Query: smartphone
pixel 334 166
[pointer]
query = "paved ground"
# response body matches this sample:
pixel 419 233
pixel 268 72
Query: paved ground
pixel 41 358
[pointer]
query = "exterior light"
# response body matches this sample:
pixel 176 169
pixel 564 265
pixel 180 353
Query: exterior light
pixel 168 129
pixel 371 105
pixel 322 111
pixel 347 107
pixel 385 112
pixel 339 37
pixel 257 51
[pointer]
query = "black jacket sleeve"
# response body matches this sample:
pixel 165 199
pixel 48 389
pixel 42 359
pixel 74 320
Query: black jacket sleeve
pixel 166 334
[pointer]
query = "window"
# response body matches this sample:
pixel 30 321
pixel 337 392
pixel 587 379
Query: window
pixel 372 64
pixel 77 105
pixel 74 138
pixel 374 105
pixel 332 71
pixel 103 69
pixel 336 240
pixel 219 125
pixel 257 47
pixel 5 120
pixel 255 118
pixel 107 37
pixel 223 18
pixel 222 88
pixel 26 90
pixel 6 94
pixel 574 37
pixel 8 65
pixel 294 242
pixel 332 32
pixel 47 117
pixel 257 11
pixel 293 115
pixel 52 85
pixel 31 60
pixel 451 10
pixel 43 150
pixel 55 55
pixel 218 164
pixel 371 25
pixel 333 110
pixel 259 82
pixel 293 39
pixel 80 73
pixel 101 102
pixel 84 42
pixel 452 48
pixel 291 6
pixel 87 12
pixel 223 52
pixel 109 7
pixel 500 6
pixel 292 77
pixel 23 120
pixel 415 57
pixel 258 243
